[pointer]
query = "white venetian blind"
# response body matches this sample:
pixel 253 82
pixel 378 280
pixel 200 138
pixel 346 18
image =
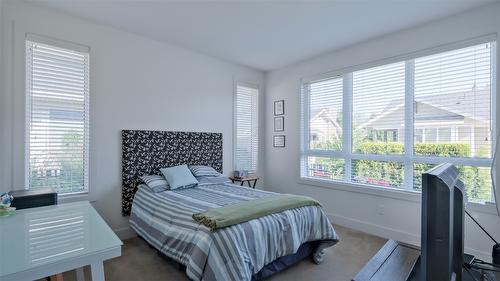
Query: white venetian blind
pixel 247 131
pixel 453 101
pixel 378 109
pixel 325 120
pixel 57 123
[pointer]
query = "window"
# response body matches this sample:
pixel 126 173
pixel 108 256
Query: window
pixel 326 115
pixel 377 93
pixel 385 125
pixel 57 123
pixel 246 111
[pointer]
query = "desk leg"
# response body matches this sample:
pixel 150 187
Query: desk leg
pixel 242 182
pixel 97 270
pixel 80 275
pixel 249 185
pixel 254 183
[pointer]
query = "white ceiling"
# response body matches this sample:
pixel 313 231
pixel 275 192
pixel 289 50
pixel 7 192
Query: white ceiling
pixel 265 35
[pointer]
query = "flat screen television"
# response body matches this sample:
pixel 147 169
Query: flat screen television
pixel 442 236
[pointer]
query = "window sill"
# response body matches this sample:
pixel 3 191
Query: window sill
pixel 73 197
pixel 399 194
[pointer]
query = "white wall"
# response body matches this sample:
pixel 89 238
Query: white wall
pixel 135 83
pixel 398 217
pixel 3 106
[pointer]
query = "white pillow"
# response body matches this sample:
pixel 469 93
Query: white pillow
pixel 179 176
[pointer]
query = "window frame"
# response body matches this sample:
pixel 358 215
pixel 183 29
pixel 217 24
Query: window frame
pixel 235 124
pixel 31 37
pixel 408 159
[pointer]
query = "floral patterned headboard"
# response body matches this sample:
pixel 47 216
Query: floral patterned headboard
pixel 146 152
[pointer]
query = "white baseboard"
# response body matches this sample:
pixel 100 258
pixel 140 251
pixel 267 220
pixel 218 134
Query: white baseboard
pixel 374 229
pixel 391 233
pixel 479 254
pixel 125 233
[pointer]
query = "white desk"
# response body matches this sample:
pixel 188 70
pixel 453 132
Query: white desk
pixel 39 242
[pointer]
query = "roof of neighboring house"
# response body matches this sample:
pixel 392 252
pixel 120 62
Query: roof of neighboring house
pixel 460 104
pixel 328 116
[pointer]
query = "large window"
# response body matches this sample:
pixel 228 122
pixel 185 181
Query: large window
pixel 246 112
pixel 385 125
pixel 57 121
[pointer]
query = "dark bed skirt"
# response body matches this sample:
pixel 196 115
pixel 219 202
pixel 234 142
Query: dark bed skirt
pixel 305 250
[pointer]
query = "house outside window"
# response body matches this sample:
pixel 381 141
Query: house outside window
pixel 385 125
pixel 384 135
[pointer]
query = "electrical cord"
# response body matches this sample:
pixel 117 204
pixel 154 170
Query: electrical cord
pixel 482 271
pixel 485 277
pixel 482 228
pixel 485 268
pixel 487 263
pixel 470 273
pixel 478 264
pixel 492 173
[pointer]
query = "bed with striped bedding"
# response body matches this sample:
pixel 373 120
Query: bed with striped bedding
pixel 237 252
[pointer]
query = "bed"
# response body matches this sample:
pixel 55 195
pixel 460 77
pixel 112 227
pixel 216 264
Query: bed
pixel 251 250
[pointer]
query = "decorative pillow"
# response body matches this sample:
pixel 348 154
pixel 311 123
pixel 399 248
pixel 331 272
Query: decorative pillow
pixel 212 180
pixel 179 177
pixel 155 183
pixel 203 171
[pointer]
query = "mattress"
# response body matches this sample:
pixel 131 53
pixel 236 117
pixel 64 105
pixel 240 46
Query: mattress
pixel 237 252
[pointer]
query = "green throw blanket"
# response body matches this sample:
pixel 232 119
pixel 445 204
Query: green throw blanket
pixel 248 210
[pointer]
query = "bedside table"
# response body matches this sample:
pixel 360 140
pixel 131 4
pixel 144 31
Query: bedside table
pixel 246 179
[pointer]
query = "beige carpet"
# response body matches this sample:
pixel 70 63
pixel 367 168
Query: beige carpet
pixel 342 261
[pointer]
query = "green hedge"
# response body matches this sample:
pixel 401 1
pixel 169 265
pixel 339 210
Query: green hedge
pixel 443 149
pixel 421 149
pixel 380 148
pixel 476 180
pixel 389 174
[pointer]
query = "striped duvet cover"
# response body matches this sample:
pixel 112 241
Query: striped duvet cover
pixel 232 253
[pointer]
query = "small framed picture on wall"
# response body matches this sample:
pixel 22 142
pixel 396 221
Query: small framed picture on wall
pixel 279 124
pixel 279 107
pixel 279 141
